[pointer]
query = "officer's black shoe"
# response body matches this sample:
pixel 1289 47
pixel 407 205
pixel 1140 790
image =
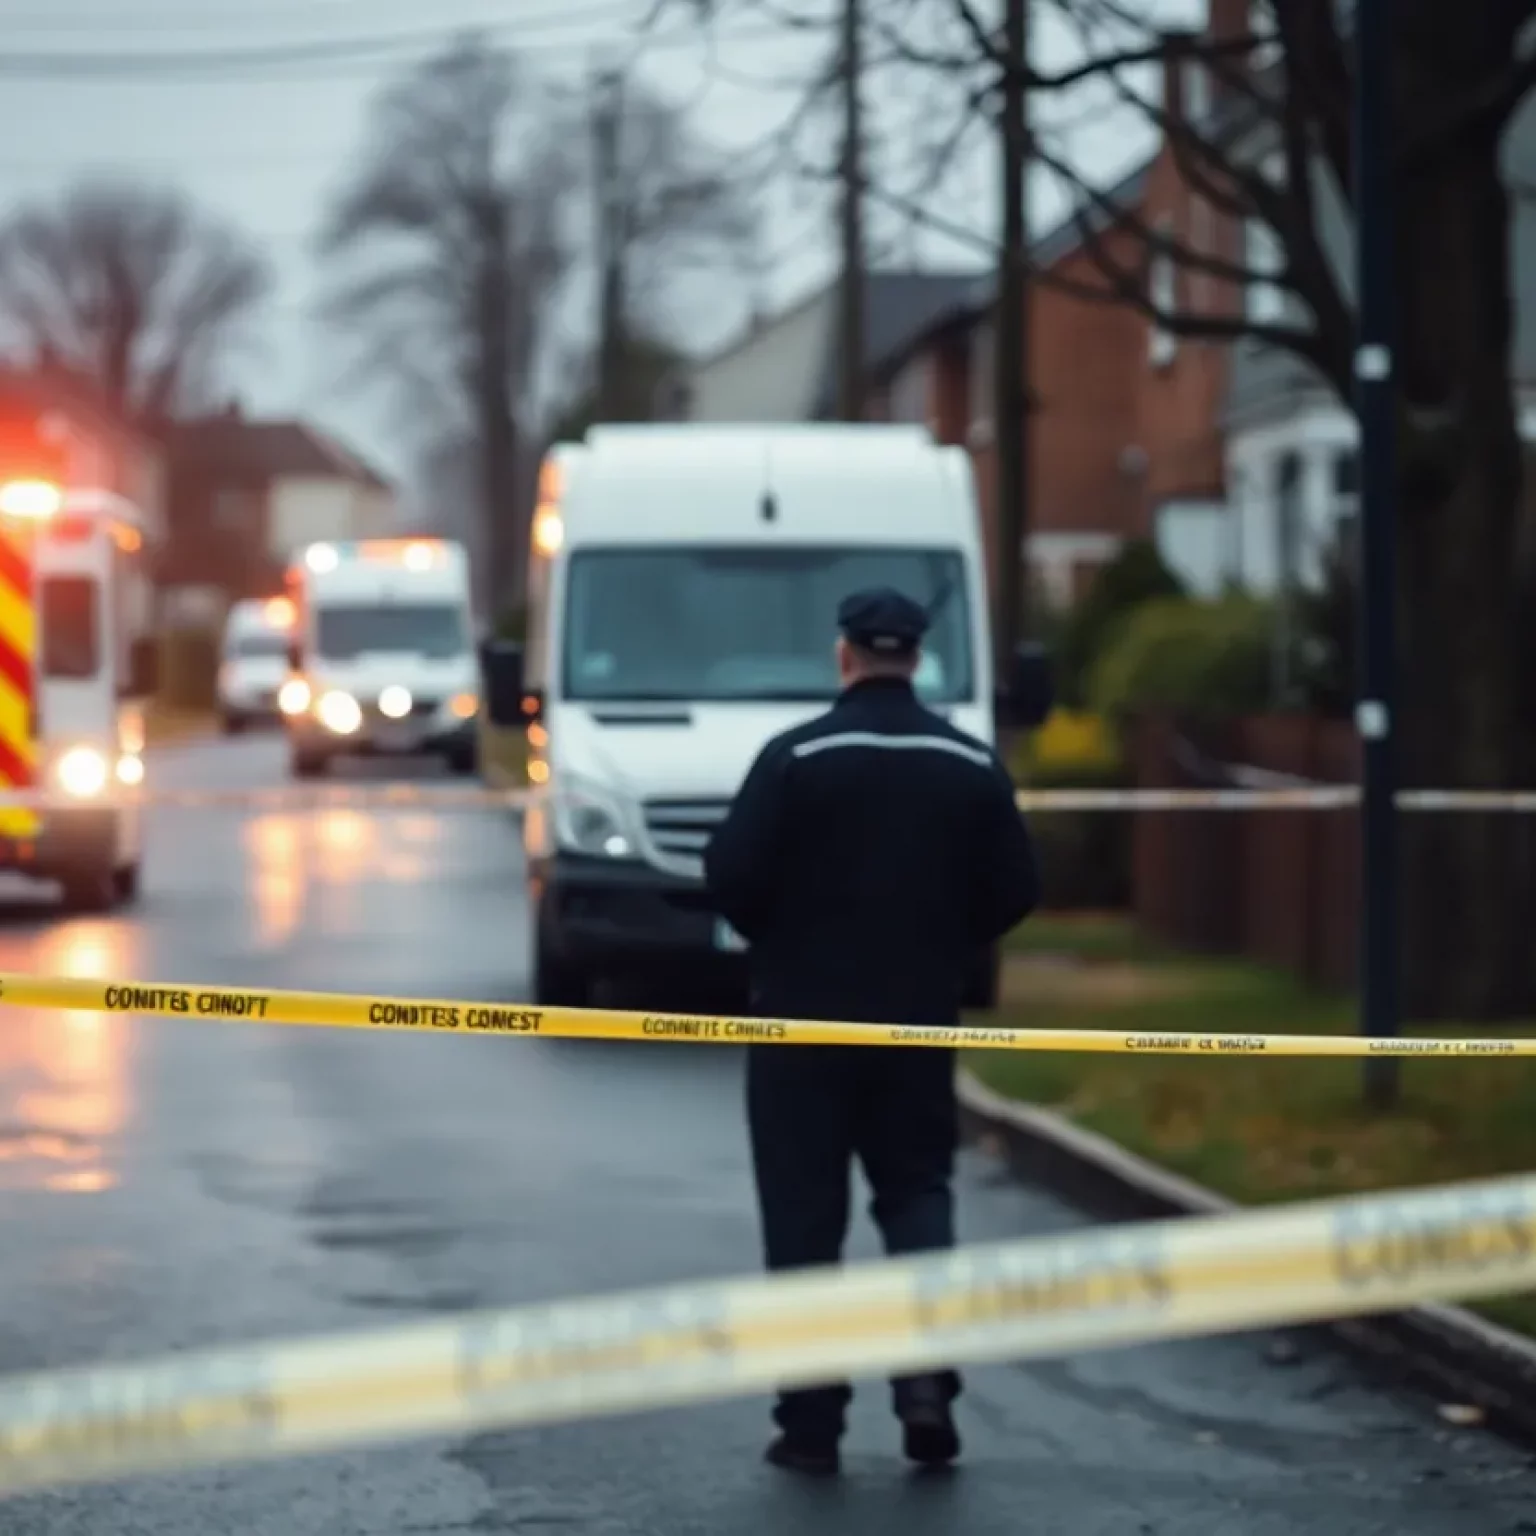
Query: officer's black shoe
pixel 929 1436
pixel 810 1458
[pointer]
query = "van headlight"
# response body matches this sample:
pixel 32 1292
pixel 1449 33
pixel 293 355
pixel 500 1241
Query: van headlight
pixel 339 712
pixel 589 820
pixel 294 696
pixel 82 772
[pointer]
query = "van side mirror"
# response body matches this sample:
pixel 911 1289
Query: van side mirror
pixel 295 656
pixel 1028 694
pixel 501 663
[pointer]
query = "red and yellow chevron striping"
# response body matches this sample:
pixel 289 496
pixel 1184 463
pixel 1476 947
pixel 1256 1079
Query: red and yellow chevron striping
pixel 18 678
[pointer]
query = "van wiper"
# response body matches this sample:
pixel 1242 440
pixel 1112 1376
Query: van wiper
pixel 940 599
pixel 774 696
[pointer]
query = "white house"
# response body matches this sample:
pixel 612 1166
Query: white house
pixel 1291 456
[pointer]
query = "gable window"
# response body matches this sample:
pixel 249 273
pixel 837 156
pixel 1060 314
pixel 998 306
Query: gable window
pixel 982 343
pixel 1163 295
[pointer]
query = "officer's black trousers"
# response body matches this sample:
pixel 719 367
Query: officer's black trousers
pixel 812 1110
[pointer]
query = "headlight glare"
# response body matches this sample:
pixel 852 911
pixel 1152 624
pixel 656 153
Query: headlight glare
pixel 82 772
pixel 339 712
pixel 293 697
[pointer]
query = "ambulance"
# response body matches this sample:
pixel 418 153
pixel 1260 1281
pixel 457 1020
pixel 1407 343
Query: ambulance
pixel 253 661
pixel 76 665
pixel 382 658
pixel 683 583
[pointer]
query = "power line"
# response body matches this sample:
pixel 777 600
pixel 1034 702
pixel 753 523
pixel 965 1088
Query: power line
pixel 202 18
pixel 334 55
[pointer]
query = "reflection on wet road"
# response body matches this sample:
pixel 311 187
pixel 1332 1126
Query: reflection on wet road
pixel 65 1081
pixel 171 1183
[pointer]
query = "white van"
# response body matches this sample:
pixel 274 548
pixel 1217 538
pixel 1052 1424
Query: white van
pixel 253 661
pixel 682 592
pixel 383 655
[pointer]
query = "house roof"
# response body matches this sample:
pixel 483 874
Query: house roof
pixel 1060 241
pixel 242 449
pixel 898 307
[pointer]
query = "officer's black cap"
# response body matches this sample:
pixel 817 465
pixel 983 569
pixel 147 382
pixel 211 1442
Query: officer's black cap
pixel 883 620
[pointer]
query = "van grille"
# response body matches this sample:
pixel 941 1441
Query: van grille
pixel 679 830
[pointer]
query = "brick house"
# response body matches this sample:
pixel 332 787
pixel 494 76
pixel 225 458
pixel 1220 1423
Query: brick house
pixel 1127 433
pixel 244 495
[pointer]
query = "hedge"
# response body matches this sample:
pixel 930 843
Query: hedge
pixel 1203 660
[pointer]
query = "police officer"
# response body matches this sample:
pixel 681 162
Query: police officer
pixel 868 858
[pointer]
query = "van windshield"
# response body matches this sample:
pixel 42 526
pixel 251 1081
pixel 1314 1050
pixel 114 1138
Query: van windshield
pixel 265 643
pixel 432 630
pixel 672 624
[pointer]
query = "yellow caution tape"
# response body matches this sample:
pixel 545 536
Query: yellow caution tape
pixel 454 797
pixel 270 1005
pixel 697 1342
pixel 282 797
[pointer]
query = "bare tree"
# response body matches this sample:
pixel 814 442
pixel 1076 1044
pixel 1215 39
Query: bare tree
pixel 1273 164
pixel 136 289
pixel 671 207
pixel 450 244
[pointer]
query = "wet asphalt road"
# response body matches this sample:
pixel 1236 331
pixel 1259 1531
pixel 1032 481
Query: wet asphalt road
pixel 167 1184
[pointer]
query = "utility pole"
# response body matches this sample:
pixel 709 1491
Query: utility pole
pixel 607 118
pixel 851 347
pixel 1011 342
pixel 1375 397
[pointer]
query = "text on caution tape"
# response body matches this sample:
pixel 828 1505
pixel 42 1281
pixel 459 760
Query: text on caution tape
pixel 697 1342
pixel 444 1016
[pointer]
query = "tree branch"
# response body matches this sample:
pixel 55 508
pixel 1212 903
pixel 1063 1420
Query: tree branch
pixel 1211 166
pixel 1485 109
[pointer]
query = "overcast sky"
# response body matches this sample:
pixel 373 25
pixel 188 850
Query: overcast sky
pixel 266 142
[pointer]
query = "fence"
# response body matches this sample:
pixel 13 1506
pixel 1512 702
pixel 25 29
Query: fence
pixel 1277 886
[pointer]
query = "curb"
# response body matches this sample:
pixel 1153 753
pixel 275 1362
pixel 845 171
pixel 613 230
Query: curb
pixel 1441 1349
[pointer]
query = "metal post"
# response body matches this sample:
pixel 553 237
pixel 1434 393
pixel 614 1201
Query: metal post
pixel 1011 341
pixel 1375 395
pixel 851 340
pixel 607 113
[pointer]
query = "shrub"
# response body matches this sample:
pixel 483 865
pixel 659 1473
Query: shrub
pixel 1197 659
pixel 1085 856
pixel 1136 576
pixel 1073 741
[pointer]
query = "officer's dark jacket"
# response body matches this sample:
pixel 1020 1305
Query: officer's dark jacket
pixel 868 857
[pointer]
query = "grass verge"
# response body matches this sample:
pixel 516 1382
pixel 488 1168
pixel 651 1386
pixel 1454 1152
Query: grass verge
pixel 1258 1130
